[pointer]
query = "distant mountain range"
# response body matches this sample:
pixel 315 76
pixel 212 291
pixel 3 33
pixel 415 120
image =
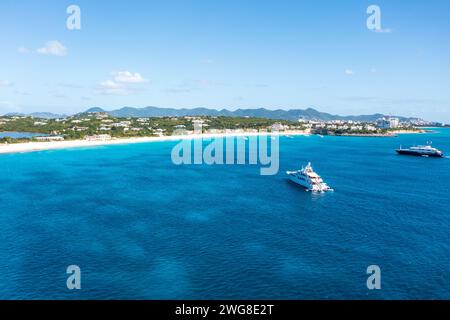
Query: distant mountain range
pixel 41 115
pixel 294 114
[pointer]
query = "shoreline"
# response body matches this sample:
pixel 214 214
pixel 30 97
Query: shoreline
pixel 57 145
pixel 391 134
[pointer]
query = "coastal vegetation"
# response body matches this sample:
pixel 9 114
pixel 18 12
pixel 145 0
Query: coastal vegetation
pixel 95 124
pixel 89 124
pixel 379 132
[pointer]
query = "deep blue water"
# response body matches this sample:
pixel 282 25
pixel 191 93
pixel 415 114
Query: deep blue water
pixel 19 135
pixel 142 228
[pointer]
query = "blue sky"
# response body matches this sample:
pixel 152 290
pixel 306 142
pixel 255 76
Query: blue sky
pixel 227 54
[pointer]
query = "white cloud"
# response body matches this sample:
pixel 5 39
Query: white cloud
pixel 53 48
pixel 5 83
pixel 110 87
pixel 349 72
pixel 123 83
pixel 23 50
pixel 110 84
pixel 128 77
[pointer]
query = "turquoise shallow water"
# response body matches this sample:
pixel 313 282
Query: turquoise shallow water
pixel 19 135
pixel 141 228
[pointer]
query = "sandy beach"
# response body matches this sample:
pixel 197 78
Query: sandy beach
pixel 41 146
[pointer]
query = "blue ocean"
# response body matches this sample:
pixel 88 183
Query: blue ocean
pixel 140 227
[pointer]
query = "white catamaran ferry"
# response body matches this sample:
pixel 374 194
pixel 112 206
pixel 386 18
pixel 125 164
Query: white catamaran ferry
pixel 306 177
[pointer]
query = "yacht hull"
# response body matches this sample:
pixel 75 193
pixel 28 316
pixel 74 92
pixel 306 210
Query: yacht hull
pixel 419 154
pixel 299 181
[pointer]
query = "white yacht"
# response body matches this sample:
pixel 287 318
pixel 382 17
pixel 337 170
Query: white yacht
pixel 306 177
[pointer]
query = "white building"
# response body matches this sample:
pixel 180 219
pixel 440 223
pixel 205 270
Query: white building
pixel 279 127
pixel 98 137
pixel 80 129
pixel 388 123
pixel 122 124
pixel 50 138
